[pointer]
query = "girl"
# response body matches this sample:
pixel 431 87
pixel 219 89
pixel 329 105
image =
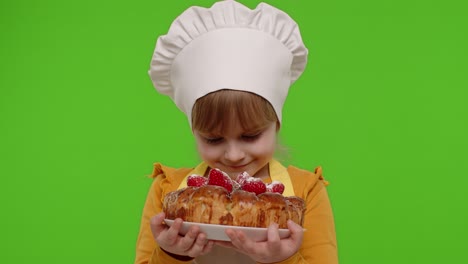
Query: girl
pixel 229 68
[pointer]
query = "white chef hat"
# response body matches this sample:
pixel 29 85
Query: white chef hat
pixel 228 46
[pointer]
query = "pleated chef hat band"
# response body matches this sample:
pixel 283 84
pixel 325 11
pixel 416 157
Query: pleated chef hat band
pixel 228 46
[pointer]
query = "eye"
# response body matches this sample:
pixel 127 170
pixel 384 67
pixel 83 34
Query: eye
pixel 213 141
pixel 251 137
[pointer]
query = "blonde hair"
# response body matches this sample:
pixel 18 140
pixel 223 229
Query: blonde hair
pixel 217 111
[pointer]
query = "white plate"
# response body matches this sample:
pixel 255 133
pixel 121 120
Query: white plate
pixel 217 232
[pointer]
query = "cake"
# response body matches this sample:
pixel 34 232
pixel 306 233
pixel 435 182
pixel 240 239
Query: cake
pixel 246 201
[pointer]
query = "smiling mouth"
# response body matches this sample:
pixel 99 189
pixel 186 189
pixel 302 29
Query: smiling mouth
pixel 237 166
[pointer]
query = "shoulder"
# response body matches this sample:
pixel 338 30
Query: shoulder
pixel 171 173
pixel 306 182
pixel 169 176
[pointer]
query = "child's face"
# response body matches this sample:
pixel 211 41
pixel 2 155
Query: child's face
pixel 237 150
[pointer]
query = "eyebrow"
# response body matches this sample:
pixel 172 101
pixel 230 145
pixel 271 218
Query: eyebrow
pixel 253 131
pixel 207 134
pixel 244 133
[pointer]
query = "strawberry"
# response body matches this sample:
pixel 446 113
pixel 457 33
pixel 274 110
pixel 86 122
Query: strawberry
pixel 196 180
pixel 219 178
pixel 276 187
pixel 254 185
pixel 242 177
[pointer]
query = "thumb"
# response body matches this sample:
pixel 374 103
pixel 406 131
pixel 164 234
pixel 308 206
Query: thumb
pixel 157 224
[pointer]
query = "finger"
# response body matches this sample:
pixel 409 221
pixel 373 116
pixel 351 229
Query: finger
pixel 242 242
pixel 226 244
pixel 157 225
pixel 297 232
pixel 208 247
pixel 198 246
pixel 274 241
pixel 273 233
pixel 187 241
pixel 172 233
pixel 233 236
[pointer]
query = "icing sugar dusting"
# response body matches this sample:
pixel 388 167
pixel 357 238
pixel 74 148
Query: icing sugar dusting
pixel 273 183
pixel 244 174
pixel 252 179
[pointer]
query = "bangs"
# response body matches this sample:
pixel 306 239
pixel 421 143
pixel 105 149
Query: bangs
pixel 217 112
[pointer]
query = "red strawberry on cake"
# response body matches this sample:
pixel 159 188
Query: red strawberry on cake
pixel 220 178
pixel 196 180
pixel 254 185
pixel 276 187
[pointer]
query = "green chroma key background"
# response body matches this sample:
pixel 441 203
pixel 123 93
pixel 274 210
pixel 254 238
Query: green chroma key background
pixel 382 107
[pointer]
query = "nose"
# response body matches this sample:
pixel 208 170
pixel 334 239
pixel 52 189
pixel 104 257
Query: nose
pixel 234 153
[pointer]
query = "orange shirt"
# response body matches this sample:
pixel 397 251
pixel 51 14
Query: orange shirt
pixel 319 242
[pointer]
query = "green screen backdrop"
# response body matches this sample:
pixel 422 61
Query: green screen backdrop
pixel 382 107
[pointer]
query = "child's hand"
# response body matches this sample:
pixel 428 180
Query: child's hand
pixel 272 250
pixel 193 244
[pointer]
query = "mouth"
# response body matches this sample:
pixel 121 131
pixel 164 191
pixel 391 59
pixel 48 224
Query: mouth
pixel 237 168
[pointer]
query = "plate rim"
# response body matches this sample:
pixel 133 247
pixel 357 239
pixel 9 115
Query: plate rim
pixel 227 226
pixel 257 234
